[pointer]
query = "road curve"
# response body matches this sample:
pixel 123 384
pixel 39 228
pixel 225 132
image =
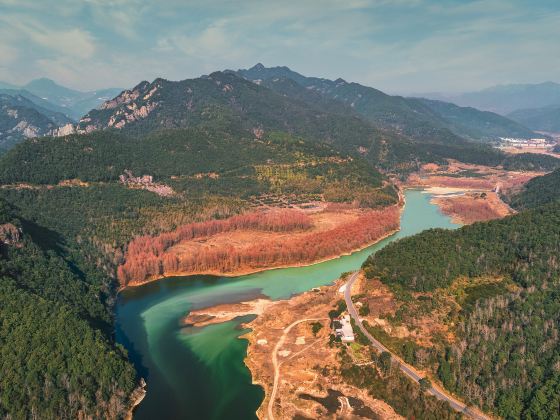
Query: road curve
pixel 276 365
pixel 408 370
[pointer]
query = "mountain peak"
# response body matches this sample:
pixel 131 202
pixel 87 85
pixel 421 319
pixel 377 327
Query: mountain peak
pixel 42 82
pixel 258 67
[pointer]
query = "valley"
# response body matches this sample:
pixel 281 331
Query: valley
pixel 185 228
pixel 150 318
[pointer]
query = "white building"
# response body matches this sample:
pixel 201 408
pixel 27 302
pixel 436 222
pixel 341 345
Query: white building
pixel 345 332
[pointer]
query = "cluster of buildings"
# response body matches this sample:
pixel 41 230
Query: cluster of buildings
pixel 523 143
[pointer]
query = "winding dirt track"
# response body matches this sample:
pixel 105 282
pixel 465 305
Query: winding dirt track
pixel 277 365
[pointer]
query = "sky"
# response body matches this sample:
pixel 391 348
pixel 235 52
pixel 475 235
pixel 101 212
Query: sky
pixel 399 46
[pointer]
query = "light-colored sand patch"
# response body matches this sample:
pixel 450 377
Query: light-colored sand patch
pixel 225 312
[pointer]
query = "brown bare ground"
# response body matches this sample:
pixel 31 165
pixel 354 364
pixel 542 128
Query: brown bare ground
pixel 383 305
pixel 535 150
pixel 225 312
pixel 469 205
pixel 307 363
pixel 472 207
pixel 482 178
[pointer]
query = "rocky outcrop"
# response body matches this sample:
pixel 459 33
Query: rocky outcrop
pixel 65 130
pixel 10 235
pixel 130 106
pixel 22 119
pixel 145 182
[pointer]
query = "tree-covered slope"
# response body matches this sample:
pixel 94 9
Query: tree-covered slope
pixel 518 246
pixel 543 119
pixel 472 123
pixel 387 131
pixel 178 155
pixel 505 354
pixel 422 119
pixel 57 356
pixel 224 100
pixel 538 191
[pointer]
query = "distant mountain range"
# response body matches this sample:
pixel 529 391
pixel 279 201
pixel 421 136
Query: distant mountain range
pixel 355 118
pixel 42 108
pixel 20 118
pixel 50 95
pixel 505 99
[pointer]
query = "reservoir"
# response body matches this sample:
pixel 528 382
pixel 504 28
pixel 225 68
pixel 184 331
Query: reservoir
pixel 198 373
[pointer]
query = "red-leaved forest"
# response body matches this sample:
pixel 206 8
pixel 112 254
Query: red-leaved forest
pixel 471 210
pixel 147 257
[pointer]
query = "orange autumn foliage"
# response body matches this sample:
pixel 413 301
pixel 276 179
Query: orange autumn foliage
pixel 147 258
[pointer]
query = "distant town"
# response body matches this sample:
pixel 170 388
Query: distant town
pixel 536 143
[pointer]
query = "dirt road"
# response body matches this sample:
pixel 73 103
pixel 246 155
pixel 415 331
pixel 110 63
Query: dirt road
pixel 276 365
pixel 408 370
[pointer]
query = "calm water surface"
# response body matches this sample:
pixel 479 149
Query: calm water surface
pixel 198 373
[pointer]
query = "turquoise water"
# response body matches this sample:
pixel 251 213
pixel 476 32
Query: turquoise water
pixel 198 373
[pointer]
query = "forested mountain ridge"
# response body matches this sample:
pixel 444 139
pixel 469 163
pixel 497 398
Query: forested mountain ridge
pixel 474 124
pixel 544 119
pixel 538 191
pixel 58 357
pixel 225 101
pixel 20 119
pixel 179 157
pixel 505 353
pixel 431 121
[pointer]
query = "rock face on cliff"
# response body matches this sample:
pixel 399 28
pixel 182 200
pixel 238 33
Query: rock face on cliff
pixel 21 119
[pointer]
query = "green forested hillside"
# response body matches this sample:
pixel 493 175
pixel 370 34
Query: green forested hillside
pixel 538 191
pixel 190 159
pixel 385 130
pixel 506 355
pixel 472 123
pixel 58 358
pixel 545 119
pixel 224 101
pixel 422 119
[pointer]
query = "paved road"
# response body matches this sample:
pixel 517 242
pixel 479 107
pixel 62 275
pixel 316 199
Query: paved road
pixel 276 365
pixel 408 370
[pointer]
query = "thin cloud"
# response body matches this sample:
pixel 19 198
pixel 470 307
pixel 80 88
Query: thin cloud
pixel 394 45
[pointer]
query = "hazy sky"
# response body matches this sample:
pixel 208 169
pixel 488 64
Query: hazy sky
pixel 394 45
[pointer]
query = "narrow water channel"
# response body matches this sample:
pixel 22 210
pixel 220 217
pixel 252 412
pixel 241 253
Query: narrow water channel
pixel 198 373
